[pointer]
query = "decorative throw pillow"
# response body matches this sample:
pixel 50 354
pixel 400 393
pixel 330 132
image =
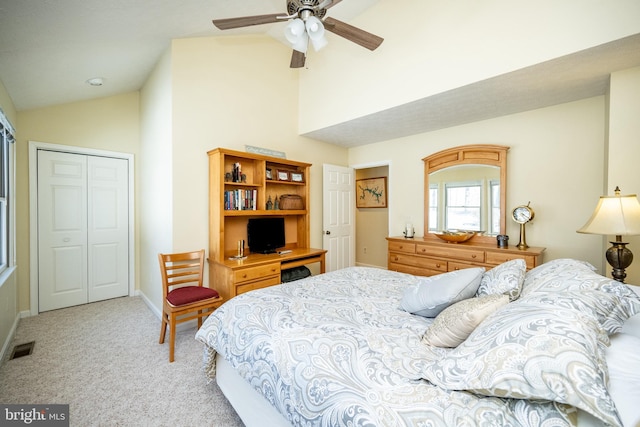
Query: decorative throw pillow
pixel 454 324
pixel 433 294
pixel 554 272
pixel 610 310
pixel 507 279
pixel 577 276
pixel 528 350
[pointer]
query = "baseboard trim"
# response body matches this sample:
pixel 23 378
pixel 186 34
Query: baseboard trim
pixel 10 337
pixel 361 264
pixel 158 313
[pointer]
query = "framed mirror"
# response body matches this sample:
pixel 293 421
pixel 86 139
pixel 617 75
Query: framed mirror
pixel 465 189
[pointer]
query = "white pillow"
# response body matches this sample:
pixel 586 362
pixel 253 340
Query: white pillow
pixel 623 361
pixel 507 279
pixel 457 321
pixel 433 294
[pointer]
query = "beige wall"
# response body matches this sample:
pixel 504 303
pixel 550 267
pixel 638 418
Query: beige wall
pixel 8 280
pixel 372 226
pixel 624 149
pixel 443 45
pixel 105 124
pixel 542 168
pixel 221 92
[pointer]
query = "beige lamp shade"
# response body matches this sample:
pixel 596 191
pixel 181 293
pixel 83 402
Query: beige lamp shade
pixel 615 215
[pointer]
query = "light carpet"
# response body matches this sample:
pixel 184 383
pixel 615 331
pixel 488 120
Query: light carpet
pixel 104 360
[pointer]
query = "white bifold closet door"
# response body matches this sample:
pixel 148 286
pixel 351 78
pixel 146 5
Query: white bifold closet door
pixel 82 229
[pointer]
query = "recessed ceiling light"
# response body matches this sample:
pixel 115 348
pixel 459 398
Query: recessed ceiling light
pixel 96 81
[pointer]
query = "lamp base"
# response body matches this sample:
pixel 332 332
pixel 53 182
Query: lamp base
pixel 619 258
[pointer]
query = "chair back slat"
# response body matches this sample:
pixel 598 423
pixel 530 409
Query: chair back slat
pixel 181 269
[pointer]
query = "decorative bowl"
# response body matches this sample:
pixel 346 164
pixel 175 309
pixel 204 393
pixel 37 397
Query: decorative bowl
pixel 455 236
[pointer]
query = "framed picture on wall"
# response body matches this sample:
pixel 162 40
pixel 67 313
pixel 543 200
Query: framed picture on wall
pixel 371 193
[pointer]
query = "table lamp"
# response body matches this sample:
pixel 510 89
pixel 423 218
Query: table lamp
pixel 618 216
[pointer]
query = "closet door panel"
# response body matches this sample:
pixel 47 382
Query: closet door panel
pixel 108 228
pixel 62 231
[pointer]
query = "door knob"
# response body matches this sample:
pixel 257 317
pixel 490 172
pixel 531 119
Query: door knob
pixel 327 232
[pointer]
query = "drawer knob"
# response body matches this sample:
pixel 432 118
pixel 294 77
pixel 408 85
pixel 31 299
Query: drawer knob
pixel 395 258
pixel 438 265
pixel 244 276
pixel 474 256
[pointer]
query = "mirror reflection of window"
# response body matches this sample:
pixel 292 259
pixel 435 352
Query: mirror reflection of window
pixel 433 207
pixel 464 209
pixel 495 206
pixel 465 197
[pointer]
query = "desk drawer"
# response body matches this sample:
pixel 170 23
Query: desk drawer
pixel 409 248
pixel 416 261
pixel 240 289
pixel 253 273
pixel 473 255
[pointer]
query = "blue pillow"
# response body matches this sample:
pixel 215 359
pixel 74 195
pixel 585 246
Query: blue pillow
pixel 433 294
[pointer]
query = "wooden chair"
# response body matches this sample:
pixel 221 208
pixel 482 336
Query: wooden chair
pixel 184 296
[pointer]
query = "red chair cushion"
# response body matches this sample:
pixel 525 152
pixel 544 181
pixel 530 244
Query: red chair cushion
pixel 189 294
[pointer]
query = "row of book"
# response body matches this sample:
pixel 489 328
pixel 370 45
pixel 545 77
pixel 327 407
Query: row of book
pixel 240 200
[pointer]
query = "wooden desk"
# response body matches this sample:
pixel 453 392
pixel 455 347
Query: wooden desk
pixel 234 277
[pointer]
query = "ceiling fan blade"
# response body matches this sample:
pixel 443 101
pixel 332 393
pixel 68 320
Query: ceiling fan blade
pixel 354 34
pixel 246 21
pixel 297 59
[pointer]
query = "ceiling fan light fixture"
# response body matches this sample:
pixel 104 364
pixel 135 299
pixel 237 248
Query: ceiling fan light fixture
pixel 316 33
pixel 296 35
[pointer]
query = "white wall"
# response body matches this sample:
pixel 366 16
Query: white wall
pixel 555 162
pixel 432 46
pixel 156 178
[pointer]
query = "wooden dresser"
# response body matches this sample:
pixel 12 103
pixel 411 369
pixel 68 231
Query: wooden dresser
pixel 427 256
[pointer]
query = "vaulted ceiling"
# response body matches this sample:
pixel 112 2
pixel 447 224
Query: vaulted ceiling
pixel 50 48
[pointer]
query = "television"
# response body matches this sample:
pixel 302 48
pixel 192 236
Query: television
pixel 265 235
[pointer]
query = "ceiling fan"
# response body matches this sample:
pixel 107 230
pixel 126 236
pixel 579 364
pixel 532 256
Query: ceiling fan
pixel 306 24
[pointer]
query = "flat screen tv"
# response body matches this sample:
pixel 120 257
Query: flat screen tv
pixel 265 235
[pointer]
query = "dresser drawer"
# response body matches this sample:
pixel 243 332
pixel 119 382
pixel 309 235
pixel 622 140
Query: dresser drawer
pixel 496 258
pixel 240 289
pixel 416 271
pixel 455 266
pixel 409 248
pixel 473 255
pixel 417 261
pixel 253 273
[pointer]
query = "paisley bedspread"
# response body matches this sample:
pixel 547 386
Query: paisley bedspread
pixel 336 350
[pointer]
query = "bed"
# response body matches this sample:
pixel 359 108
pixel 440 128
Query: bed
pixel 555 346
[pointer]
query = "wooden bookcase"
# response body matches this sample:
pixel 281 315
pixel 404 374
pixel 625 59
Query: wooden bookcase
pixel 228 224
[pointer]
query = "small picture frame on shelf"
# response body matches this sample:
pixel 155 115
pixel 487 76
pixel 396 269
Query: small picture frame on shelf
pixel 297 177
pixel 269 174
pixel 283 176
